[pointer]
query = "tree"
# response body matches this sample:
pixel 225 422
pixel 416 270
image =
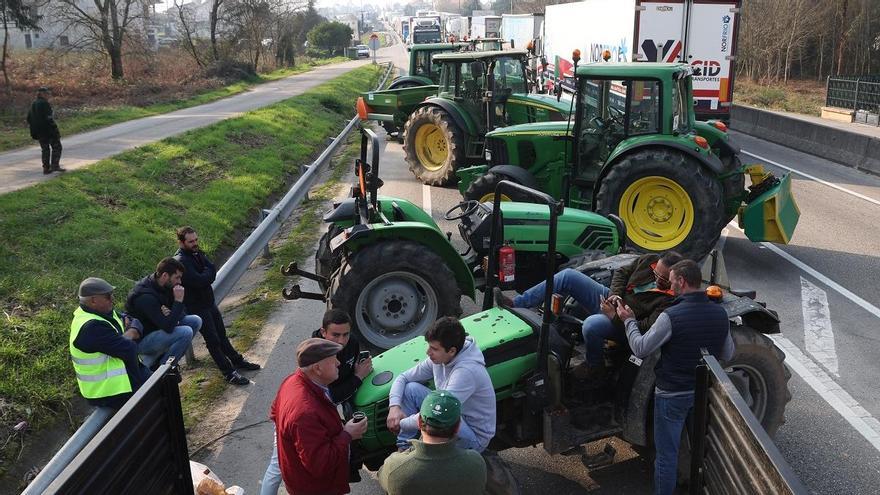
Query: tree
pixel 330 36
pixel 106 26
pixel 13 11
pixel 185 21
pixel 252 22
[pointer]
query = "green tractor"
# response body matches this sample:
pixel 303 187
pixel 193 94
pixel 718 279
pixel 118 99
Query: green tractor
pixel 444 125
pixel 634 149
pixel 422 70
pixel 394 258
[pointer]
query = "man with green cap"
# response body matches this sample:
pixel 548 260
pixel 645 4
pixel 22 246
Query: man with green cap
pixel 434 464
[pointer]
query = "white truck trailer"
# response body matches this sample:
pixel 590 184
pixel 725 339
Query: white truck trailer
pixel 520 29
pixel 700 32
pixel 486 26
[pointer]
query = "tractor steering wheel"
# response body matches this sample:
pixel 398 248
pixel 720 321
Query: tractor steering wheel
pixel 616 115
pixel 466 207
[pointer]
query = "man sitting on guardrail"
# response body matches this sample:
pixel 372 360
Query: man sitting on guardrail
pixel 198 275
pixel 157 301
pixel 691 323
pixel 103 347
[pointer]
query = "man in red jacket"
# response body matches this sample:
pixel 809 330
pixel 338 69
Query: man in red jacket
pixel 313 444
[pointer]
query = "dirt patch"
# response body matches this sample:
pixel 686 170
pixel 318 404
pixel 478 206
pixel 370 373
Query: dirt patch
pixel 192 175
pixel 111 202
pixel 250 140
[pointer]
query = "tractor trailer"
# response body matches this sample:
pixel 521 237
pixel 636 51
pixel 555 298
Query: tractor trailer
pixel 702 34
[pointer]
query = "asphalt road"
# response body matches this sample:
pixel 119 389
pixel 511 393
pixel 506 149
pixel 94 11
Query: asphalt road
pixel 822 285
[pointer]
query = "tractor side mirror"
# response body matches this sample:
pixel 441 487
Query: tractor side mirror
pixel 477 69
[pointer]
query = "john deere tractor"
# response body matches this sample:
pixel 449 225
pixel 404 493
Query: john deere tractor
pixel 396 264
pixel 444 125
pixel 422 70
pixel 633 148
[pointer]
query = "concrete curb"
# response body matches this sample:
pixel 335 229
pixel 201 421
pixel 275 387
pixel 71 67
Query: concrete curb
pixel 847 148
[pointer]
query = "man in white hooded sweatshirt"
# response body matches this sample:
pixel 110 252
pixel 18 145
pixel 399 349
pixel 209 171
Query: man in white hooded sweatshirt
pixel 456 364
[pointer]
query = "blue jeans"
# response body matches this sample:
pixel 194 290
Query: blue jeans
pixel 272 478
pixel 596 329
pixel 413 396
pixel 568 282
pixel 161 345
pixel 670 414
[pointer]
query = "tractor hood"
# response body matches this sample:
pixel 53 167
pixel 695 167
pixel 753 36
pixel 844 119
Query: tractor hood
pixel 535 129
pixel 547 102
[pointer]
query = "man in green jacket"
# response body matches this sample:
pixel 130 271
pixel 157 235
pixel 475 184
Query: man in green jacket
pixel 43 128
pixel 434 464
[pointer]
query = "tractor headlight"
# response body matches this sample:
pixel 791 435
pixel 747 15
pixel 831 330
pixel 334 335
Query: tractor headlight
pixel 488 155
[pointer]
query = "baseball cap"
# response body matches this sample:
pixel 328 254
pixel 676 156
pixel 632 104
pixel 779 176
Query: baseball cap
pixel 94 286
pixel 440 409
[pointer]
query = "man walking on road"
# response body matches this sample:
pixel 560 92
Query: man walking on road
pixel 691 323
pixel 198 275
pixel 43 128
pixel 157 301
pixel 103 347
pixel 456 365
pixel 435 465
pixel 313 444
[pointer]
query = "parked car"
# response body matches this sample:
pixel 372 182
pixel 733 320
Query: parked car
pixel 363 51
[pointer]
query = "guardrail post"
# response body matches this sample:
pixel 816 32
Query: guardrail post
pixel 263 214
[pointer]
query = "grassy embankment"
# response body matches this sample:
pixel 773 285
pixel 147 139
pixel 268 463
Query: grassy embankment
pixel 116 219
pixel 806 97
pixel 15 133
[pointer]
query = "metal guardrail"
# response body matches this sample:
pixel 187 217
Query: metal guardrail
pixel 227 276
pixel 730 451
pixel 853 92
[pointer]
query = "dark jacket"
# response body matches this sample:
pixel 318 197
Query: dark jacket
pixel 313 448
pixel 648 304
pixel 198 276
pixel 347 384
pixel 145 303
pixel 696 322
pixel 105 337
pixel 41 120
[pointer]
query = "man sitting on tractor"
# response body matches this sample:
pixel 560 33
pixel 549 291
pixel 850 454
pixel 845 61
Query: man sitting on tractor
pixel 456 365
pixel 643 285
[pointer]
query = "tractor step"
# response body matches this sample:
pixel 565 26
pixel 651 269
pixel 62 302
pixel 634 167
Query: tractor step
pixel 601 459
pixel 292 270
pixel 295 292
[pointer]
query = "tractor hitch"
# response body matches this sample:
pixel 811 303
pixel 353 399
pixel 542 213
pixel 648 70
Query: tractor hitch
pixel 294 292
pixel 292 270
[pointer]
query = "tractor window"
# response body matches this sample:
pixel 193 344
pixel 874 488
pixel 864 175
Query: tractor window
pixel 508 74
pixel 644 108
pixel 680 117
pixel 447 79
pixel 471 87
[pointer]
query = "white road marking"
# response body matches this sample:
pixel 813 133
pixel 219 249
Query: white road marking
pixel 426 199
pixel 854 414
pixel 813 177
pixel 818 334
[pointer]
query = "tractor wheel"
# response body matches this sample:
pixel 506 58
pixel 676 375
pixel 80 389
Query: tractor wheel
pixel 403 84
pixel 667 201
pixel 434 146
pixel 733 186
pixel 394 291
pixel 499 477
pixel 483 189
pixel 325 262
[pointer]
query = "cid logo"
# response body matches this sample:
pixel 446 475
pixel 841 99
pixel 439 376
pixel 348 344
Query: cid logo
pixel 709 68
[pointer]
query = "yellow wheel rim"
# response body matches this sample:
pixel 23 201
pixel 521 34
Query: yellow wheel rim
pixel 431 147
pixel 658 213
pixel 490 197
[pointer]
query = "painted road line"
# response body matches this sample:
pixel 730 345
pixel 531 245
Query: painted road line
pixel 854 414
pixel 813 177
pixel 426 199
pixel 818 334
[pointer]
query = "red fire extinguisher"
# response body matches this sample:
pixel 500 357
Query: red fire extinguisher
pixel 506 264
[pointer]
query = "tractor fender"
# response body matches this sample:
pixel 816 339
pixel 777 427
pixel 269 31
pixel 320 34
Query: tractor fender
pixel 417 80
pixel 361 236
pixel 460 119
pixel 640 406
pixel 344 211
pixel 708 161
pixel 717 138
pixel 516 173
pixel 752 313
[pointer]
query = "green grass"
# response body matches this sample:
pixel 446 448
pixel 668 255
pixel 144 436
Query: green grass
pixel 116 219
pixel 16 135
pixel 806 97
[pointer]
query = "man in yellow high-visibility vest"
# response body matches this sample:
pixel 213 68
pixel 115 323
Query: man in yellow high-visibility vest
pixel 103 347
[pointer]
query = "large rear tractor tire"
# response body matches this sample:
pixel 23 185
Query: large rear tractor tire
pixel 667 200
pixel 483 189
pixel 434 146
pixel 499 477
pixel 394 291
pixel 733 186
pixel 325 262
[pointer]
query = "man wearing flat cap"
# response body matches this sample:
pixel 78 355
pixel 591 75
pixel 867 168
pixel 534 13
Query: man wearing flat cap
pixel 435 464
pixel 103 347
pixel 313 443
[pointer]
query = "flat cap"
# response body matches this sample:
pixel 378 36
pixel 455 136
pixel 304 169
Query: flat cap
pixel 310 351
pixel 94 286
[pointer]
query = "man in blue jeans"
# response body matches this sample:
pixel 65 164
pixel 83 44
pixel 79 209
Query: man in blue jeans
pixel 157 301
pixel 643 284
pixel 455 364
pixel 692 322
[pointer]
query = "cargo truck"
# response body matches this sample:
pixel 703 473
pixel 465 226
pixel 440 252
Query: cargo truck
pixel 486 26
pixel 701 33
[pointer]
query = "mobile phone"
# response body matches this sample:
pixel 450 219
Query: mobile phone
pixel 363 355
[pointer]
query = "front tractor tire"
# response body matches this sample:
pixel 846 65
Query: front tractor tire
pixel 434 146
pixel 667 200
pixel 483 189
pixel 394 291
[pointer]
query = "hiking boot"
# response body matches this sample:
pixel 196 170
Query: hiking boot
pixel 586 373
pixel 57 168
pixel 47 171
pixel 501 300
pixel 246 365
pixel 236 379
